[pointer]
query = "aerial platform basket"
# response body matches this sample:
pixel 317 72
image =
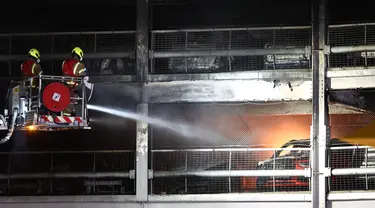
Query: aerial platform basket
pixel 47 103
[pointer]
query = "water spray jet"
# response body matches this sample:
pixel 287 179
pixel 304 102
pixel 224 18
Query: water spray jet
pixel 183 129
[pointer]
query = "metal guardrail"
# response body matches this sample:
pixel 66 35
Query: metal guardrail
pixel 230 49
pixel 359 174
pixel 58 159
pixel 224 170
pixel 62 42
pixel 67 172
pixel 210 170
pixel 354 43
pixel 204 50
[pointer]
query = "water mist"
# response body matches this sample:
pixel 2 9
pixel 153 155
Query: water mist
pixel 183 129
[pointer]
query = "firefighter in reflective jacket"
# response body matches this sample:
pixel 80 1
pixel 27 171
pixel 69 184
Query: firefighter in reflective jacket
pixel 31 67
pixel 73 67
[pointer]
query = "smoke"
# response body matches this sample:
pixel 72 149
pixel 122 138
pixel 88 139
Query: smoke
pixel 205 116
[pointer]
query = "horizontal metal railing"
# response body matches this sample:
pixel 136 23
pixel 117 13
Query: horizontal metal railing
pixel 221 169
pixel 206 154
pixel 212 49
pixel 51 173
pixel 69 33
pixel 215 166
pixel 233 29
pixel 68 172
pixel 367 165
pixel 359 174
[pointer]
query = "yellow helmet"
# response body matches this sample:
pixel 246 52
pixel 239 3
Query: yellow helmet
pixel 78 51
pixel 34 53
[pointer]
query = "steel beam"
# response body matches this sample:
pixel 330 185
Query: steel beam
pixel 289 74
pixel 142 63
pixel 142 39
pixel 69 33
pixel 335 76
pixel 232 173
pixel 236 149
pixel 347 83
pixel 320 106
pixel 234 197
pixel 141 158
pixel 232 29
pixel 351 78
pixel 350 49
pixel 116 199
pixel 227 91
pixel 353 171
pixel 62 56
pixel 65 152
pixel 68 199
pixel 352 72
pixel 125 200
pixel 351 196
pixel 224 53
pixel 239 86
pixel 200 91
pixel 64 175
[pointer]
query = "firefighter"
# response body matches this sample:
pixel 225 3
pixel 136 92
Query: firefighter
pixel 31 67
pixel 73 67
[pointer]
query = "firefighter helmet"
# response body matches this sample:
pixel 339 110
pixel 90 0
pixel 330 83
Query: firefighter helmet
pixel 78 51
pixel 34 53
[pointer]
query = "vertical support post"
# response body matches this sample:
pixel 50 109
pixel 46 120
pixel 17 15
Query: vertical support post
pixel 52 51
pixel 230 168
pixel 186 168
pixel 142 64
pixel 320 106
pixel 10 53
pixel 186 47
pixel 95 42
pixel 51 171
pixel 365 44
pixel 84 104
pixel 229 48
pixel 142 155
pixel 142 40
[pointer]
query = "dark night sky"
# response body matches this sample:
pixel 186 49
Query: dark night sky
pixel 117 14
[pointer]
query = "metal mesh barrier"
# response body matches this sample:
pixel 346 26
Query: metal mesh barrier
pixel 62 43
pixel 204 171
pixel 352 35
pixel 225 149
pixel 349 160
pixel 66 173
pixel 206 50
pixel 236 40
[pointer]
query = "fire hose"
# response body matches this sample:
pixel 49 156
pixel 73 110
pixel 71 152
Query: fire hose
pixel 90 86
pixel 92 90
pixel 11 127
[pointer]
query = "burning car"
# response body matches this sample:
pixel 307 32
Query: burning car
pixel 299 159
